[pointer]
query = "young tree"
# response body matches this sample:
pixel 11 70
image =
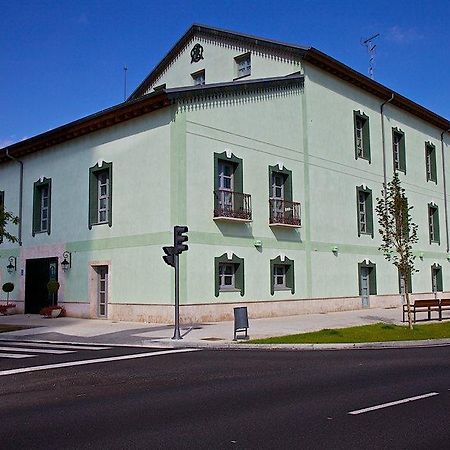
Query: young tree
pixel 398 232
pixel 5 218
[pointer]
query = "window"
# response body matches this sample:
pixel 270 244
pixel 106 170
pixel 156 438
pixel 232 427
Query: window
pixel 198 78
pixel 102 290
pixel 362 135
pixel 430 162
pixel 364 210
pixel 433 223
pixel 229 274
pixel 2 210
pixel 100 194
pixel 42 206
pixel 436 278
pixel 367 275
pixel 243 65
pixel 229 200
pixel 398 150
pixel 281 275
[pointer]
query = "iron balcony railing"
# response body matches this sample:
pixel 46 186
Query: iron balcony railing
pixel 284 212
pixel 233 205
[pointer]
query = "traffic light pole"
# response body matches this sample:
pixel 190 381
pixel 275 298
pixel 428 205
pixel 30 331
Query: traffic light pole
pixel 176 333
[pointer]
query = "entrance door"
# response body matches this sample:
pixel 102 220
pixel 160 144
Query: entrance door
pixel 365 274
pixel 102 291
pixel 38 272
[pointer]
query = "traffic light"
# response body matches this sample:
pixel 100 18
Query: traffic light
pixel 179 238
pixel 170 256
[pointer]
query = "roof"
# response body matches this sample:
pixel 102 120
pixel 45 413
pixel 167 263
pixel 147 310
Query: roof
pixel 308 54
pixel 142 105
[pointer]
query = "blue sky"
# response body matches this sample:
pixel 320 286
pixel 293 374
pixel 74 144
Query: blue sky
pixel 62 60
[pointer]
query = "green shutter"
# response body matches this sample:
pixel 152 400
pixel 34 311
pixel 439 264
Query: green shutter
pixel 433 165
pixel 440 286
pixel 436 225
pixel 402 153
pixel 36 208
pixel 239 275
pixel 49 217
pixel 359 278
pixel 110 171
pixel 369 211
pixel 373 280
pixel 2 211
pixel 216 274
pixel 358 190
pixel 272 287
pixel 366 139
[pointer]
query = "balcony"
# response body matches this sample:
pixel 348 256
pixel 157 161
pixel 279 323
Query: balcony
pixel 284 214
pixel 232 206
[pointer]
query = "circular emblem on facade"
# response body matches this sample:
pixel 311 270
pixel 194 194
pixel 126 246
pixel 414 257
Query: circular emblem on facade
pixel 196 53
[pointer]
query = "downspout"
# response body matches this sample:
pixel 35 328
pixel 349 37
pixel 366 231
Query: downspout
pixel 445 187
pixel 20 193
pixel 383 138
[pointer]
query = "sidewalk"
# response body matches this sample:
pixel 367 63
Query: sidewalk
pixel 213 334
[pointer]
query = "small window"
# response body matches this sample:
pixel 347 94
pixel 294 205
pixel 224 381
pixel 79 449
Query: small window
pixel 229 274
pixel 100 195
pixel 433 223
pixel 436 278
pixel 364 211
pixel 42 206
pixel 398 150
pixel 243 65
pixel 362 136
pixel 281 275
pixel 198 78
pixel 430 162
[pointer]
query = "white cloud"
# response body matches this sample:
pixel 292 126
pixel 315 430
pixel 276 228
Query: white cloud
pixel 401 35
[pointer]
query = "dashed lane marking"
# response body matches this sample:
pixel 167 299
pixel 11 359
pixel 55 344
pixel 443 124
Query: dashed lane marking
pixel 35 350
pixel 15 355
pixel 56 346
pixel 397 402
pixel 95 361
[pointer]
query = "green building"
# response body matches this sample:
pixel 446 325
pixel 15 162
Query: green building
pixel 272 154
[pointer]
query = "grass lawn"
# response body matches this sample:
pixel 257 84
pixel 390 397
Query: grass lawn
pixel 379 332
pixel 6 328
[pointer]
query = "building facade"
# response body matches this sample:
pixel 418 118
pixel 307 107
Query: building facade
pixel 272 154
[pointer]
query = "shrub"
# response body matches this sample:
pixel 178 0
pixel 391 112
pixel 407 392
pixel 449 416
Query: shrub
pixel 8 287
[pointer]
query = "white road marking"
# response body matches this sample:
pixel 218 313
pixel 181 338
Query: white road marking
pixel 398 402
pixel 35 350
pixel 60 346
pixel 95 361
pixel 15 355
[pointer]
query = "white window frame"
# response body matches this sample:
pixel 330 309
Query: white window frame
pixel 362 211
pixel 360 136
pixel 199 78
pixel 43 207
pixel 222 274
pixel 431 224
pixel 101 197
pixel 396 150
pixel 102 277
pixel 276 275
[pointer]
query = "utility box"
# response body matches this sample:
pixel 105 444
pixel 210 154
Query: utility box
pixel 240 322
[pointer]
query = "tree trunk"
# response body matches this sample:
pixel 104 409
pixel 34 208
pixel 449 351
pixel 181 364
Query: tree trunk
pixel 408 304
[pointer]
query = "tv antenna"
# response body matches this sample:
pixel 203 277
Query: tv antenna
pixel 369 44
pixel 125 68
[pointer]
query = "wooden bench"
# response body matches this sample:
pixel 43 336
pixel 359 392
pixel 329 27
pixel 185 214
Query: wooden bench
pixel 427 306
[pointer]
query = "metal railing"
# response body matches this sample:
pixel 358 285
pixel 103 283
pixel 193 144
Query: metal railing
pixel 234 205
pixel 284 212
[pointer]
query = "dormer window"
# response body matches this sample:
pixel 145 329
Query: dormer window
pixel 198 77
pixel 243 65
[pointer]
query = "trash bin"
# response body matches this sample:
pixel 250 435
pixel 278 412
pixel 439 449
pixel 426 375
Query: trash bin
pixel 240 322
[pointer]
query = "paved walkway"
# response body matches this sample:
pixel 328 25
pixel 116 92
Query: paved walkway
pixel 70 329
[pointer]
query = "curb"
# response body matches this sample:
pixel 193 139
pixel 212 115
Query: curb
pixel 254 347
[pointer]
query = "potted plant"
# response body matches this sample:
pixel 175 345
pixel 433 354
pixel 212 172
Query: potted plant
pixel 9 308
pixel 52 311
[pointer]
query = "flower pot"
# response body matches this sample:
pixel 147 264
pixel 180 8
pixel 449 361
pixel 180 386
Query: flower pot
pixel 55 313
pixel 10 311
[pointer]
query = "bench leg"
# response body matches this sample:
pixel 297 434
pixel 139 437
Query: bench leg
pixel 440 312
pixel 429 313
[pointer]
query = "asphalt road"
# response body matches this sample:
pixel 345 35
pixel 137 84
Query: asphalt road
pixel 227 400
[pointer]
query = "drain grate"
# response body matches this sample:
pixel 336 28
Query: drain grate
pixel 212 339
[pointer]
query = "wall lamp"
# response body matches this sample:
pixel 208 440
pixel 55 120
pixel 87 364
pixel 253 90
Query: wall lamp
pixel 66 263
pixel 12 266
